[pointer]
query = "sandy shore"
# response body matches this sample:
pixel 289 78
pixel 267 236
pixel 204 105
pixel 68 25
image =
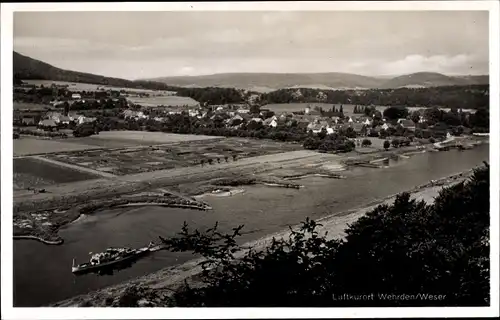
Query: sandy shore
pixel 172 277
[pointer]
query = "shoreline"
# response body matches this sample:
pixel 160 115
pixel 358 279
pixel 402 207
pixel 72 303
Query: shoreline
pixel 48 242
pixel 172 277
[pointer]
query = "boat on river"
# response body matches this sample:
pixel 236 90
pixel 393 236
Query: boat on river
pixel 113 256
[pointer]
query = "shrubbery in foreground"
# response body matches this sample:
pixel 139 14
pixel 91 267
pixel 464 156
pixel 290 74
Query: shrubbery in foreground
pixel 438 253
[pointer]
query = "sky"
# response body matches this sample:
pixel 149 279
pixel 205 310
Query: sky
pixel 137 45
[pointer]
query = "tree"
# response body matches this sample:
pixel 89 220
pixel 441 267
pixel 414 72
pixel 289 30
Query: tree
pixel 218 160
pixel 226 158
pixel 366 143
pixel 234 157
pixel 433 115
pixel 210 161
pixel 387 144
pixel 84 130
pixel 202 161
pixel 66 108
pixel 415 116
pixel 440 249
pixel 480 120
pixel 394 113
pixel 369 111
pixel 322 134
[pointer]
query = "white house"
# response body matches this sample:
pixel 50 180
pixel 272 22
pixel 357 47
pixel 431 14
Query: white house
pixel 385 126
pixel 271 122
pixel 76 96
pixel 367 122
pixel 258 120
pixel 350 120
pixel 243 110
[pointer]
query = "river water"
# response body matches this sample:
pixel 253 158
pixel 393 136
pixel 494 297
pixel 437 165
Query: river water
pixel 42 273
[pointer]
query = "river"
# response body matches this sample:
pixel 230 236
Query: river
pixel 42 273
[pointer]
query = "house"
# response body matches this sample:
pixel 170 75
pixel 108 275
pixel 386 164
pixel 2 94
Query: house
pixel 243 110
pixel 28 121
pixel 73 116
pixel 193 112
pixel 367 122
pixel 335 119
pixel 84 119
pixel 350 120
pixel 64 120
pixel 159 119
pixel 129 114
pixel 257 120
pixel 372 132
pixel 177 111
pixel 47 124
pixel 134 114
pixel 235 120
pixel 384 126
pixel 76 96
pixel 315 127
pixel 358 127
pixel 302 124
pixel 51 115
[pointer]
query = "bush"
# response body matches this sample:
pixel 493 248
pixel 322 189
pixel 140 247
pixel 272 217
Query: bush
pixel 408 247
pixel 366 142
pixel 84 130
pixel 395 143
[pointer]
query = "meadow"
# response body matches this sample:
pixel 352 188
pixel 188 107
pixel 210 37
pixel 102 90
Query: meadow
pixel 31 146
pixel 23 106
pixel 30 173
pixel 76 86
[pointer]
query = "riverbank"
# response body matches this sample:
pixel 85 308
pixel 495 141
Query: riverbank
pixel 169 279
pixel 49 242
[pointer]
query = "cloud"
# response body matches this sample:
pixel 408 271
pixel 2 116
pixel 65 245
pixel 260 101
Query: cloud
pixel 368 43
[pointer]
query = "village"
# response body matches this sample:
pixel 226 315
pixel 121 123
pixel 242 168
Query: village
pixel 113 111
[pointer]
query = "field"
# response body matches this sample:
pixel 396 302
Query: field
pixel 182 154
pixel 75 86
pixel 35 173
pixel 173 101
pixel 30 106
pixel 153 137
pixel 30 146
